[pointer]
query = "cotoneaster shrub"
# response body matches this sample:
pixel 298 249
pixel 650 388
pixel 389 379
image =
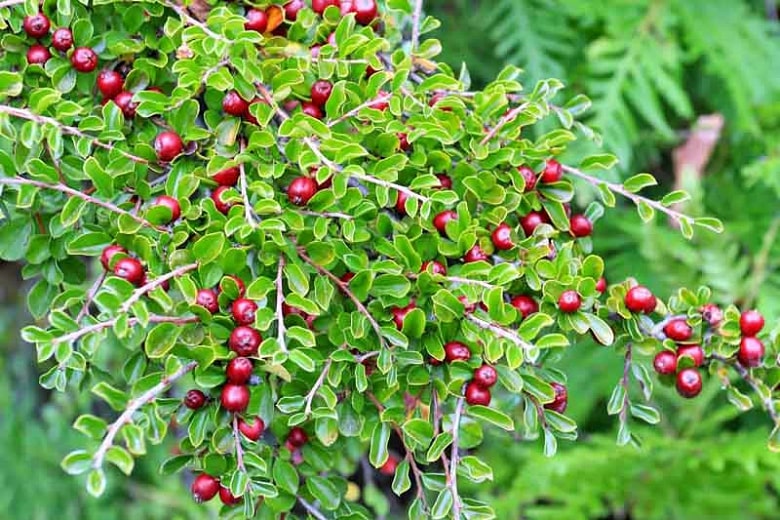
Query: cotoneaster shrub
pixel 287 235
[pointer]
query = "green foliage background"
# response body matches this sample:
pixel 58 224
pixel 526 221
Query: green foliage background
pixel 651 66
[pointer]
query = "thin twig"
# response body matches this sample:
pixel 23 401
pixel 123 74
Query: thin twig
pixel 384 96
pixel 454 457
pixel 313 511
pixel 508 117
pixel 501 332
pixel 744 373
pixel 279 305
pixel 326 214
pixel 9 3
pixel 239 448
pixel 189 20
pixel 457 279
pixel 73 336
pixel 313 392
pixel 133 406
pixel 416 19
pixel 90 296
pixel 138 293
pixel 78 194
pixel 248 212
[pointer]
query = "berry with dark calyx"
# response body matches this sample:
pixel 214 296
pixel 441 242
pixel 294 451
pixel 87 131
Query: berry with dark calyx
pixel 640 299
pixel 204 488
pixel 561 400
pixel 553 172
pixel 297 437
pixel 84 59
pixel 445 181
pixel 320 92
pixel 227 177
pixel 244 311
pixel 108 253
pixel 319 6
pixel 301 190
pixel 234 104
pixel 36 25
pixel 477 395
pixel 529 176
pixel 239 370
pixel 441 219
pixel 678 330
pixel 456 351
pixel 751 323
pixel 172 204
pixel 389 467
pixel 256 20
pixel 502 237
pixel 531 221
pixel 475 254
pixel 751 352
pixel 252 430
pixel 194 399
pixel 365 11
pixel 38 55
pixel 689 383
pixel 435 267
pixel 124 100
pixel 312 110
pixel 234 398
pixel 525 305
pixel 569 301
pixel 216 195
pixel 62 39
pixel 168 145
pixel 580 226
pixel 601 285
pixel 130 269
pixel 110 83
pixel 403 142
pixel 399 314
pixel 485 376
pixel 695 352
pixel 665 362
pixel 244 341
pixel 712 314
pixel 207 299
pixel 227 497
pixel 292 8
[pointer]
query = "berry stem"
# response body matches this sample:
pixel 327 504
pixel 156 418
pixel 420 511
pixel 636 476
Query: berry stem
pixel 138 293
pixel 80 195
pixel 133 406
pixel 313 392
pixel 279 302
pixel 454 457
pixel 154 318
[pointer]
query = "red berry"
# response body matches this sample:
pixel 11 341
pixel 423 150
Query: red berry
pixel 689 383
pixel 320 92
pixel 456 351
pixel 291 9
pixel 531 221
pixel 712 314
pixel 319 6
pixel 475 254
pixel 62 39
pixel 403 142
pixel 399 314
pixel 438 96
pixel 256 20
pixel 108 253
pixel 640 299
pixel 168 145
pixel 485 376
pixel 253 430
pixel 580 226
pixel 445 181
pixel 204 488
pixel 208 299
pixel 477 395
pixel 234 104
pixel 172 204
pixel 301 190
pixel 601 285
pixel 434 267
pixel 561 400
pixel 244 341
pixel 227 497
pixel 569 301
pixel 346 277
pixel 440 220
pixel 239 370
pixel 216 195
pixel 84 59
pixel 36 25
pixel 529 176
pixel 502 237
pixel 553 171
pixel 365 11
pixel 110 83
pixel 400 203
pixel 244 311
pixel 695 352
pixel 678 330
pixel 235 398
pixel 227 177
pixel 130 269
pixel 751 352
pixel 312 110
pixel 380 104
pixel 525 305
pixel 124 100
pixel 38 55
pixel 297 437
pixel 467 307
pixel 194 399
pixel 389 467
pixel 751 323
pixel 665 362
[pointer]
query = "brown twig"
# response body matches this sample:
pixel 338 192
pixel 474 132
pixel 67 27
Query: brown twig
pixel 73 336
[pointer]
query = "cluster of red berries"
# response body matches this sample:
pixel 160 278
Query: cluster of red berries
pixel 751 349
pixel 37 26
pixel 125 266
pixel 205 487
pixel 688 381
